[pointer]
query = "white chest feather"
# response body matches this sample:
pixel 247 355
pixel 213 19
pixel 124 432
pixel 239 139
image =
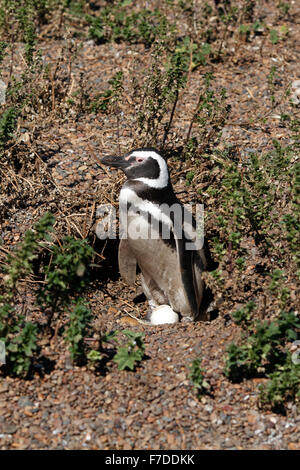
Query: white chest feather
pixel 140 207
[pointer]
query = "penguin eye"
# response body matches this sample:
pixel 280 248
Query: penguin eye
pixel 139 159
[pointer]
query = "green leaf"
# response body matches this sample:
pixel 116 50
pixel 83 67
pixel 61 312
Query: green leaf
pixel 94 355
pixel 126 359
pixel 274 36
pixel 106 338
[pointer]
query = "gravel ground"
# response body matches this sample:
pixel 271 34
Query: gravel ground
pixel 155 406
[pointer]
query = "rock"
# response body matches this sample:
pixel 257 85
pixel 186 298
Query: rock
pixel 128 321
pixel 10 429
pixel 24 401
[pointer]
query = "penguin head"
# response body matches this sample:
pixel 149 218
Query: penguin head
pixel 144 164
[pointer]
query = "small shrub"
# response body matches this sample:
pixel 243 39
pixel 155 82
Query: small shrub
pixel 262 352
pixel 189 177
pixel 157 97
pixel 244 316
pixel 94 356
pixel 8 124
pixel 19 263
pixel 80 318
pixel 19 335
pixel 264 341
pixel 118 23
pixel 283 385
pixel 103 102
pixel 125 354
pixel 132 352
pixel 20 339
pixel 209 118
pixel 66 274
pixel 197 377
pixel 3 47
pixel 21 348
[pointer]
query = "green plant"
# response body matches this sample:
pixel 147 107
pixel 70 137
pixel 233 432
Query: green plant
pixel 244 31
pixel 209 117
pixel 278 287
pixel 21 348
pixel 274 37
pixel 240 262
pixel 66 273
pixel 118 23
pixel 131 352
pixel 244 316
pixel 94 356
pixel 263 343
pixel 284 7
pixel 273 72
pixel 80 318
pixel 19 335
pixel 8 124
pixel 189 177
pixel 198 54
pixel 283 385
pixel 103 102
pixel 65 276
pixel 25 13
pixel 262 352
pixel 20 339
pixel 19 263
pixel 125 354
pixel 248 194
pixel 3 52
pixel 26 93
pixel 290 222
pixel 197 377
pixel 158 96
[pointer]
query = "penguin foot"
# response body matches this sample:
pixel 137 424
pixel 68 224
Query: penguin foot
pixel 163 314
pixel 187 319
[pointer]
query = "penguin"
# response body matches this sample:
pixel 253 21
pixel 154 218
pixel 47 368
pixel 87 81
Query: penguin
pixel 156 239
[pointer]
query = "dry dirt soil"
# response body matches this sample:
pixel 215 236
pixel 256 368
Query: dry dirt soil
pixel 154 406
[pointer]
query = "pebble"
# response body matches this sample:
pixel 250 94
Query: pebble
pixel 10 429
pixel 24 402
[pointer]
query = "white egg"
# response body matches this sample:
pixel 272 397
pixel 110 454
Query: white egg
pixel 163 314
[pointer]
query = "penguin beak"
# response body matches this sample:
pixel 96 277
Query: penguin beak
pixel 115 161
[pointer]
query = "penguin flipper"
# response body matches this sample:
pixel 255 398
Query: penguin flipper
pixel 127 262
pixel 185 259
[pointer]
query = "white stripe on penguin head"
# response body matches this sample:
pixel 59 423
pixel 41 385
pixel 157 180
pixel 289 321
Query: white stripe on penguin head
pixel 163 179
